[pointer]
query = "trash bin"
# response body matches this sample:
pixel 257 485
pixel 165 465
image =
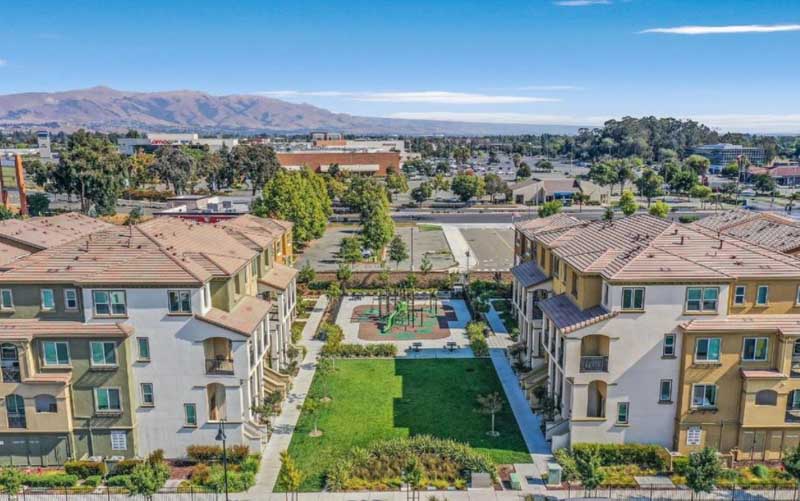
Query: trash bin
pixel 553 474
pixel 515 482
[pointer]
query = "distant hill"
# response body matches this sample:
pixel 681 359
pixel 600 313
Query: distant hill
pixel 105 109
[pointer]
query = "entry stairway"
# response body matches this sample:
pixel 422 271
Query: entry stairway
pixel 275 381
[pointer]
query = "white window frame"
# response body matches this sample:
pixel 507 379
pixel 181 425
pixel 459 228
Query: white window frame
pixel 661 398
pixel 694 435
pixel 52 297
pixel 737 296
pixel 139 356
pixel 794 400
pixel 180 293
pixel 632 307
pixel 797 297
pixel 97 400
pixel 705 386
pixel 45 363
pixel 707 360
pixel 627 412
pixel 669 335
pixel 3 306
pixel 701 306
pixel 118 439
pixel 758 295
pixel 105 363
pixel 108 293
pixel 74 299
pixel 186 415
pixel 152 402
pixel 755 347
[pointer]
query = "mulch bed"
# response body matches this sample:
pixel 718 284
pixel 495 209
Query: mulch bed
pixel 432 327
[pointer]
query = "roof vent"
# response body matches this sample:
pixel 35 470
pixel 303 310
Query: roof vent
pixel 682 237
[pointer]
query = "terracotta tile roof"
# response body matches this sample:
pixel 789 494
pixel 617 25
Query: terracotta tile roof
pixel 787 325
pixel 532 227
pixel 10 253
pixel 259 230
pixel 119 255
pixel 529 274
pixel 766 229
pixel 551 186
pixel 243 319
pixel 278 277
pixel 33 328
pixel 46 232
pixel 566 315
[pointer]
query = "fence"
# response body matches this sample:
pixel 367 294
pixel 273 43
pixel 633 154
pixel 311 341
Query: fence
pixel 112 494
pixel 677 494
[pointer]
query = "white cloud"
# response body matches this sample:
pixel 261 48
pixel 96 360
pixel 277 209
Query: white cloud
pixel 549 87
pixel 3 62
pixel 433 97
pixel 788 123
pixel 721 30
pixel 581 3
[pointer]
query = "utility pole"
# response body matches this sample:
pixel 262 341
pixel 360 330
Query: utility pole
pixel 412 249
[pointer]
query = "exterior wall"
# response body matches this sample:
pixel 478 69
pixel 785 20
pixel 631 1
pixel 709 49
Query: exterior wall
pixel 315 159
pixel 636 366
pixel 782 298
pixel 28 303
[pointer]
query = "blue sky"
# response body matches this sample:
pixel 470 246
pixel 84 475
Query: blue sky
pixel 730 63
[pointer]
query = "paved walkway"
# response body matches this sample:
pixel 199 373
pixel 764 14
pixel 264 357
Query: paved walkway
pixel 460 248
pixel 495 322
pixel 285 423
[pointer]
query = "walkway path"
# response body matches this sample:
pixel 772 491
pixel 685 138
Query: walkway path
pixel 287 420
pixel 460 248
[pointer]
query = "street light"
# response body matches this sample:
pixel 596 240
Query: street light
pixel 221 438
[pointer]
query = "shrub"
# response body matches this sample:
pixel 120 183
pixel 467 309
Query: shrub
pixel 383 350
pixel 51 480
pixel 642 455
pixel 238 453
pixel 760 471
pixel 124 467
pixel 477 340
pixel 688 219
pixel 118 480
pixel 204 453
pixel 569 469
pixel 332 334
pixel 200 473
pixel 147 478
pixel 85 469
pixel 297 332
pixel 11 480
pixel 679 465
pixel 92 481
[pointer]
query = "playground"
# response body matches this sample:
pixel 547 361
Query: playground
pixel 405 319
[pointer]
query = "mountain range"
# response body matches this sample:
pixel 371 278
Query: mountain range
pixel 106 109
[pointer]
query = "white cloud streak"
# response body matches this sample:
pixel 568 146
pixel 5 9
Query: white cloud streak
pixel 431 97
pixel 581 3
pixel 724 30
pixel 548 87
pixel 3 62
pixel 767 123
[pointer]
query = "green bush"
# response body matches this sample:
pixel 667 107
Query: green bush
pixel 118 480
pixel 680 464
pixel 51 480
pixel 240 478
pixel 760 471
pixel 642 455
pixel 124 467
pixel 332 334
pixel 382 350
pixel 569 470
pixel 84 469
pixel 92 480
pixel 206 453
pixel 297 331
pixel 688 219
pixel 477 340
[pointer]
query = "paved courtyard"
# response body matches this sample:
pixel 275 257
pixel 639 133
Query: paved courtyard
pixel 493 247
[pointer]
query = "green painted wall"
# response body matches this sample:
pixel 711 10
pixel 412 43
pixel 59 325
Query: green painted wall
pixel 28 303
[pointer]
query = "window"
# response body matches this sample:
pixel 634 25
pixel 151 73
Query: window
pixel 556 264
pixel 668 350
pixel 633 298
pixel 48 299
pixel 701 298
pixel 794 400
pixel 55 353
pixel 190 414
pixel 109 303
pixel 762 296
pixel 755 349
pixel 104 353
pixel 254 267
pixel 180 301
pixel 575 284
pixel 796 349
pixel 147 395
pixel 143 345
pixel 707 350
pixel 605 294
pixel 738 294
pixel 693 435
pixel 119 441
pixel 797 296
pixel 622 412
pixel 45 404
pixel 15 411
pixel 767 397
pixel 207 296
pixel 665 390
pixel 107 400
pixel 70 299
pixel 704 396
pixel 6 299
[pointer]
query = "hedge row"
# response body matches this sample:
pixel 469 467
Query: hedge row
pixel 359 350
pixel 642 455
pixel 205 453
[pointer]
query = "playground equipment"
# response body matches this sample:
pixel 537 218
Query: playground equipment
pixel 397 306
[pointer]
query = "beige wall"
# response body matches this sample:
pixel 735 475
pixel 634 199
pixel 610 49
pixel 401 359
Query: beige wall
pixel 781 298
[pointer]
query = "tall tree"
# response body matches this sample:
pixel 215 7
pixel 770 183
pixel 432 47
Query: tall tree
pixel 649 184
pixel 466 186
pixel 703 470
pixel 397 250
pixel 627 203
pixel 255 162
pixel 698 163
pixel 494 185
pixel 174 166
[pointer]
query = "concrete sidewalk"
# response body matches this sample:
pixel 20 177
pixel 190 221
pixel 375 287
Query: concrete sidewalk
pixel 285 423
pixel 462 252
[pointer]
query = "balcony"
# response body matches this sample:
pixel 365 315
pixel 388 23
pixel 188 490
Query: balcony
pixel 11 374
pixel 219 366
pixel 597 363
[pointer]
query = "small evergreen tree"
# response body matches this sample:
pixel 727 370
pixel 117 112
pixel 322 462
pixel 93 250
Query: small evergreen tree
pixel 627 203
pixel 397 250
pixel 703 470
pixel 588 466
pixel 791 463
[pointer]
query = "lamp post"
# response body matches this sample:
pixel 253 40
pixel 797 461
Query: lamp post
pixel 221 438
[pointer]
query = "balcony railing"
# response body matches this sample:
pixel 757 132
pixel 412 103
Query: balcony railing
pixel 11 375
pixel 17 422
pixel 219 366
pixel 594 364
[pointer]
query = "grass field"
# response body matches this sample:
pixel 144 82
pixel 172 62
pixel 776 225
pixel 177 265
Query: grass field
pixel 378 399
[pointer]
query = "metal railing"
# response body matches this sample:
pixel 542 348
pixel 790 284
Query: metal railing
pixel 219 366
pixel 11 375
pixel 594 363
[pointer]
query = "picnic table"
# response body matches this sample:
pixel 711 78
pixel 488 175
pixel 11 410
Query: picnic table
pixel 451 346
pixel 417 346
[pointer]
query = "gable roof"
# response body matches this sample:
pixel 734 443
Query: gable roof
pixel 261 231
pixel 46 232
pixel 766 229
pixel 528 274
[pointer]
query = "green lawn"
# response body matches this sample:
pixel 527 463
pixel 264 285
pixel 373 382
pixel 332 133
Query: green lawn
pixel 378 399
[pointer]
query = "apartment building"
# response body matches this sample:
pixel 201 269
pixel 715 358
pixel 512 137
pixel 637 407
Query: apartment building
pixel 765 229
pixel 617 300
pixel 205 340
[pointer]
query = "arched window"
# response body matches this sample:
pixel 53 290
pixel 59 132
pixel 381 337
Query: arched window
pixel 15 408
pixel 767 397
pixel 45 403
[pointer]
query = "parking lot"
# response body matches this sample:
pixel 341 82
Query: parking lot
pixel 493 247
